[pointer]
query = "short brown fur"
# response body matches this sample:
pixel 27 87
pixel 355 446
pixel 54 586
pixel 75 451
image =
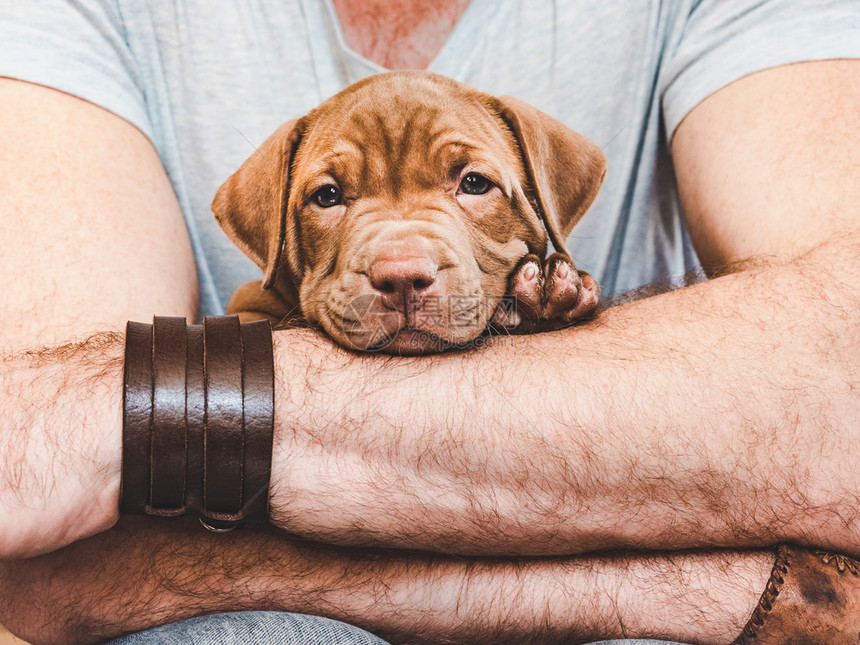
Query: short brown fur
pixel 396 146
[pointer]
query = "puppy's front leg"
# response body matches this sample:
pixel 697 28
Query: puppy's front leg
pixel 252 302
pixel 549 294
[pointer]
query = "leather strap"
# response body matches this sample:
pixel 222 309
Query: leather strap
pixel 136 417
pixel 198 419
pixel 223 447
pixel 259 416
pixel 195 416
pixel 167 440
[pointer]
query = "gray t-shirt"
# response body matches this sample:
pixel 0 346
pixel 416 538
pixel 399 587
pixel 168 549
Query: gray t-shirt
pixel 208 80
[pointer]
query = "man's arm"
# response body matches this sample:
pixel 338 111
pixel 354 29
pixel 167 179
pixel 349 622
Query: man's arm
pixel 175 569
pixel 668 415
pixel 720 414
pixel 693 418
pixel 92 236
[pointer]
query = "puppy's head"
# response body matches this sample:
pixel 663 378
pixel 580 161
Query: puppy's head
pixel 393 214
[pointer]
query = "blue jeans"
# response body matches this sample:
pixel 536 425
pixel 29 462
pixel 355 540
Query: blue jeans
pixel 265 628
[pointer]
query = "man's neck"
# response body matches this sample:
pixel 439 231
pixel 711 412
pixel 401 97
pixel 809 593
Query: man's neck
pixel 399 35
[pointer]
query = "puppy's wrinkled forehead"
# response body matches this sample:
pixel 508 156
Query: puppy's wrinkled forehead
pixel 393 132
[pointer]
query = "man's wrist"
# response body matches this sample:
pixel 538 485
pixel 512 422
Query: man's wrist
pixel 294 354
pixel 107 427
pixel 197 420
pixel 319 387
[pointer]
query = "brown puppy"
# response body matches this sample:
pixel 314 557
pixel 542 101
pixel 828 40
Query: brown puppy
pixel 400 213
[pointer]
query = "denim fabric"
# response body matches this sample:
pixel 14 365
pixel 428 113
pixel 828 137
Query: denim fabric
pixel 637 642
pixel 270 628
pixel 253 628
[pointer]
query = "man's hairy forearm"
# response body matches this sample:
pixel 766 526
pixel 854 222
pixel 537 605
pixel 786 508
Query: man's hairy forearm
pixel 700 417
pixel 145 572
pixel 173 570
pixel 59 444
pixel 646 428
pixel 716 415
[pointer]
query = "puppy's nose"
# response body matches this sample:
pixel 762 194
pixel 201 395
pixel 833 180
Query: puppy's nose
pixel 402 277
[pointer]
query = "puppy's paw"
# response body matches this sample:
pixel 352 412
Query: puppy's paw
pixel 568 293
pixel 548 294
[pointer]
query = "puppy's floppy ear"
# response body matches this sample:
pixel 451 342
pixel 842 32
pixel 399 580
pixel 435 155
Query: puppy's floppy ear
pixel 251 206
pixel 565 168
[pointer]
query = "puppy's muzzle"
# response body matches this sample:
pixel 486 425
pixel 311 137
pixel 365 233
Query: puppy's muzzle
pixel 403 277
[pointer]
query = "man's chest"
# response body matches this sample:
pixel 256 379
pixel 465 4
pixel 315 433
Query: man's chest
pixel 219 77
pixel 403 35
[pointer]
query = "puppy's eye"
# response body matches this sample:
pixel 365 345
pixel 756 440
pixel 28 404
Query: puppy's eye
pixel 327 196
pixel 475 184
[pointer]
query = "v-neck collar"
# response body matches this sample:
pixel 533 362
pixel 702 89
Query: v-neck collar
pixel 447 60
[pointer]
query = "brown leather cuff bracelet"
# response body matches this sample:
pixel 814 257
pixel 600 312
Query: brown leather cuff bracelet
pixel 198 420
pixel 812 598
